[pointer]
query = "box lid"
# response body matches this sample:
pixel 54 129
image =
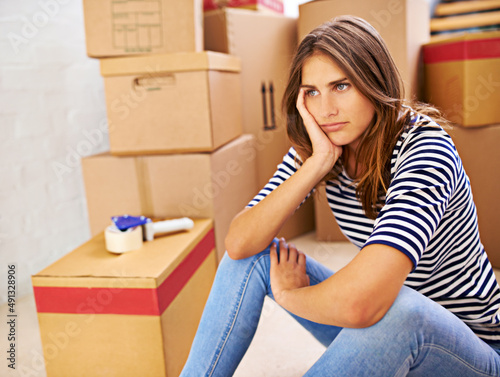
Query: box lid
pixel 463 46
pixel 176 62
pixel 91 265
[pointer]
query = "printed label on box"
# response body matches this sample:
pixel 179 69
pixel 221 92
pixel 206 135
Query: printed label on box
pixel 136 24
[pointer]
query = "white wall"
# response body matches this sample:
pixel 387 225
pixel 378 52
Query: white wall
pixel 51 103
pixel 292 7
pixel 52 113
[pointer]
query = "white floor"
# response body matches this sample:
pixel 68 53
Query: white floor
pixel 280 347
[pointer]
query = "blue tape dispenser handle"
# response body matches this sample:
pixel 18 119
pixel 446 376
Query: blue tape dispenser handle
pixel 126 221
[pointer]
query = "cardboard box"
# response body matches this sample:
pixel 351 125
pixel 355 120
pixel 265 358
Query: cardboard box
pixel 264 65
pixel 167 103
pixel 275 6
pixel 264 73
pixel 131 27
pixel 214 185
pixel 134 314
pixel 327 228
pixel 478 149
pixel 403 24
pixel 462 77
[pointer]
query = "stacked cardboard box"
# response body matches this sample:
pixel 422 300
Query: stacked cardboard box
pixel 404 26
pixel 462 75
pixel 462 78
pixel 131 27
pixel 172 103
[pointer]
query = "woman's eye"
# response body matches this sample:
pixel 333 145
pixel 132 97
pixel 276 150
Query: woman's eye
pixel 342 86
pixel 312 93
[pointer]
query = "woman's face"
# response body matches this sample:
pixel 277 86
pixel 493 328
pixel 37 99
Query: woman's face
pixel 341 111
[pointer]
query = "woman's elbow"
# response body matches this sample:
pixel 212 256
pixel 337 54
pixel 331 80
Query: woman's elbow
pixel 234 247
pixel 362 316
pixel 235 238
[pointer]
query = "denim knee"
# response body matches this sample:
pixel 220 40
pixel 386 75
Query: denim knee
pixel 414 317
pixel 411 310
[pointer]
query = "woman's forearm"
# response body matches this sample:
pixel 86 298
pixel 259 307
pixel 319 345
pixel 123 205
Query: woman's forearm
pixel 356 296
pixel 253 229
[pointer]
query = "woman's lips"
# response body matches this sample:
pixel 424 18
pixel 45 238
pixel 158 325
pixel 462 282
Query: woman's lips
pixel 332 127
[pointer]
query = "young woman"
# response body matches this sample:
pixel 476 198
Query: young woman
pixel 420 298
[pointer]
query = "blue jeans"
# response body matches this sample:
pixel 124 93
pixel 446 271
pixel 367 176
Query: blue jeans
pixel 417 337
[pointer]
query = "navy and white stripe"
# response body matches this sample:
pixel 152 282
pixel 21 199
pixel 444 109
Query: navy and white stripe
pixel 429 215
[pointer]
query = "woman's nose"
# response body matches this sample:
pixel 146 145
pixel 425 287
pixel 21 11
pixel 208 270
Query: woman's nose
pixel 329 106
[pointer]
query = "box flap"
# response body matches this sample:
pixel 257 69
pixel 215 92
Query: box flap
pixel 154 261
pixel 177 62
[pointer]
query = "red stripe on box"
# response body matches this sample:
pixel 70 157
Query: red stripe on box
pixel 130 301
pixel 173 284
pixel 462 50
pixel 209 5
pixel 78 300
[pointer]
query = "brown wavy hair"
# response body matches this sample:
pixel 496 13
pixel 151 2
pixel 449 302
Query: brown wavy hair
pixel 357 48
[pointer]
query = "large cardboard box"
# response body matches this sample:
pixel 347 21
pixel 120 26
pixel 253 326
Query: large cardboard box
pixel 264 71
pixel 166 103
pixel 260 5
pixel 134 314
pixel 265 43
pixel 478 149
pixel 130 27
pixel 403 24
pixel 214 185
pixel 462 77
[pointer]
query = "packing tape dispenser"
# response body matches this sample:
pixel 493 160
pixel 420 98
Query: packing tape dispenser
pixel 127 233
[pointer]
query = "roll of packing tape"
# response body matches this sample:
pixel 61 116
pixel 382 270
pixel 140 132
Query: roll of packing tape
pixel 118 241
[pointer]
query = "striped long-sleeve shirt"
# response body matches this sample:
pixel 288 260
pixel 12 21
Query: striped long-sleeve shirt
pixel 429 215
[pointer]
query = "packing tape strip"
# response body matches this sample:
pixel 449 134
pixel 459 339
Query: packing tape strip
pixel 122 242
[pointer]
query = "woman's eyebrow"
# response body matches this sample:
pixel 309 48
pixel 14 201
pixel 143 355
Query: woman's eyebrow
pixel 332 83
